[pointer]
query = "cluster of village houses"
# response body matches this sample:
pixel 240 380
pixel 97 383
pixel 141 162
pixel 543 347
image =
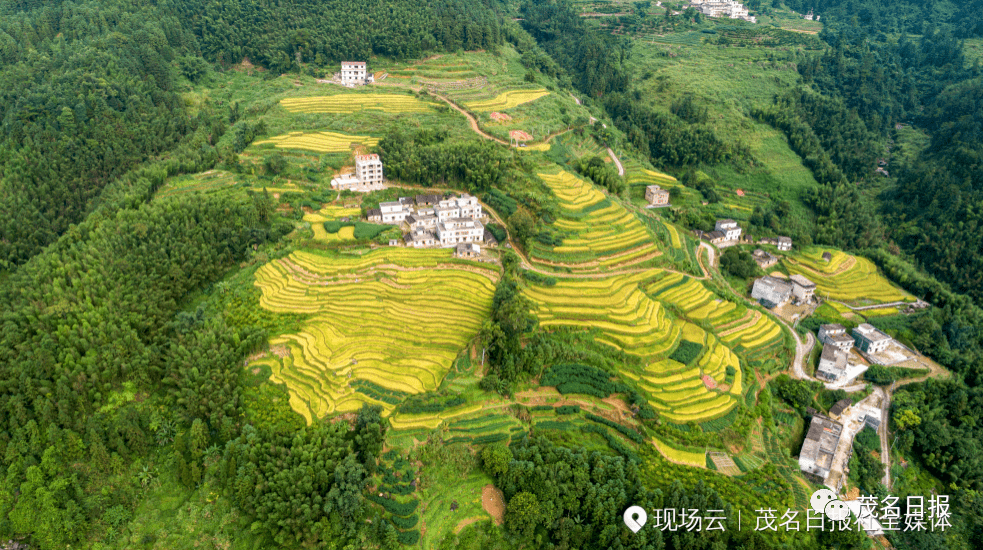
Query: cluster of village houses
pixel 436 221
pixel 723 8
pixel 428 220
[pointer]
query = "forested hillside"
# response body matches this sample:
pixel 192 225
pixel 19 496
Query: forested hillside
pixel 86 92
pixel 281 36
pixel 893 16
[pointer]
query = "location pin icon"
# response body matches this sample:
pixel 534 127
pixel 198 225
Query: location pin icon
pixel 635 524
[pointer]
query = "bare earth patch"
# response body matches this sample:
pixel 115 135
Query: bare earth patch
pixel 493 501
pixel 465 522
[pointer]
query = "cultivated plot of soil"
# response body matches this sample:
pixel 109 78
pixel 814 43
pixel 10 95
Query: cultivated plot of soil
pixel 493 501
pixel 725 464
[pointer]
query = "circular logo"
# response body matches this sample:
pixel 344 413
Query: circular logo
pixel 820 499
pixel 635 518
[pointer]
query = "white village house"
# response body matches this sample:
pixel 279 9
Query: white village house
pixel 869 339
pixel 368 173
pixel 832 363
pixel 353 73
pixel 432 220
pixel 368 169
pixel 729 228
pixel 835 334
pixel 723 8
pixel 771 292
pixel 802 289
pixel 816 456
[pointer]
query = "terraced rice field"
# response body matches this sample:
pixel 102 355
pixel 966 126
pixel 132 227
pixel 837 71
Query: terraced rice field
pixel 394 317
pixel 506 100
pixel 601 233
pixel 679 456
pixel 320 142
pixel 352 103
pixel 845 277
pixel 735 324
pixel 644 177
pixel 331 212
pixel 630 320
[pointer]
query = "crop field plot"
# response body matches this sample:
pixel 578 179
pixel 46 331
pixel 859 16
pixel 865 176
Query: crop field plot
pixel 680 456
pixel 507 100
pixel 695 300
pixel 331 212
pixel 759 333
pixel 352 103
pixel 735 325
pixel 631 321
pixel 205 182
pixel 628 319
pixel 319 142
pixel 725 464
pixel 394 317
pixel 845 277
pixel 715 361
pixel 600 232
pixel 482 429
pixel 431 421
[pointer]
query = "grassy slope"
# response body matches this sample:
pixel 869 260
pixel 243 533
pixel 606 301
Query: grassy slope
pixel 730 81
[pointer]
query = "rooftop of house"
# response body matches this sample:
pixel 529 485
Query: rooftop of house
pixel 424 199
pixel 821 440
pixel 774 284
pixel 834 354
pixel 373 212
pixel 356 63
pixel 785 240
pixel 715 235
pixel 390 203
pixel 366 158
pixel 840 406
pixel 802 281
pixel 832 327
pixel 869 332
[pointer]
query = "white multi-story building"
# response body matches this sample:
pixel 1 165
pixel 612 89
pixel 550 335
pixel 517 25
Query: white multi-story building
pixel 459 230
pixel 836 335
pixel 368 169
pixel 723 8
pixel 869 339
pixel 729 228
pixel 352 73
pixel 368 175
pixel 393 212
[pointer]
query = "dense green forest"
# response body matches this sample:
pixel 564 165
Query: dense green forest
pixel 86 92
pixel 897 16
pixel 283 35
